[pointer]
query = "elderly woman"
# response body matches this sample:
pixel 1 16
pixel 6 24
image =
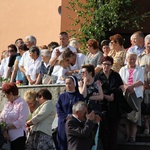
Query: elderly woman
pixel 112 86
pixel 30 98
pixel 74 43
pixel 40 137
pixel 45 67
pixel 118 53
pixel 64 109
pixel 33 65
pixel 133 78
pixel 94 55
pixel 144 62
pixel 14 114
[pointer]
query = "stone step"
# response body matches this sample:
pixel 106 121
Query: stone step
pixel 134 146
pixel 143 138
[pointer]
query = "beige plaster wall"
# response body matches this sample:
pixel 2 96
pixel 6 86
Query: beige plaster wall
pixel 55 90
pixel 19 18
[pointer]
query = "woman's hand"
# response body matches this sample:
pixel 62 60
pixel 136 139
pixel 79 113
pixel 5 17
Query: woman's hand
pixel 29 123
pixel 32 82
pixel 69 116
pixel 109 98
pixel 130 88
pixel 80 83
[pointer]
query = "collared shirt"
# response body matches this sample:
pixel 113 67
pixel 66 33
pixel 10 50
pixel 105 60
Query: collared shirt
pixel 76 118
pixel 4 67
pixel 143 60
pixel 45 68
pixel 113 81
pixel 24 59
pixel 138 75
pixel 15 113
pixel 136 49
pixel 34 68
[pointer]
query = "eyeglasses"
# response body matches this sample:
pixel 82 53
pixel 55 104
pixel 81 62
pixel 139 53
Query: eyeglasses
pixel 106 64
pixel 11 51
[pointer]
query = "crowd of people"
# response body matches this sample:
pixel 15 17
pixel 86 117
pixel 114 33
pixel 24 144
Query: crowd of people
pixel 99 88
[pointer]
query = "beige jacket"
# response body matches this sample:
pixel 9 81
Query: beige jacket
pixel 43 117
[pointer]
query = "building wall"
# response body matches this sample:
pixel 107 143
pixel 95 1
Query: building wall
pixel 65 21
pixel 55 90
pixel 20 18
pixel 40 18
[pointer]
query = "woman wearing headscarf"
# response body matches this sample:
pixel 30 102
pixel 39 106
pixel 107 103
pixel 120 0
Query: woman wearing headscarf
pixel 64 109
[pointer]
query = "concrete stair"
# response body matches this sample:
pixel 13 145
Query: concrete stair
pixel 142 143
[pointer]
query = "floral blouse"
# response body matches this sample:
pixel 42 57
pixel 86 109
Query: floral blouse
pixel 119 58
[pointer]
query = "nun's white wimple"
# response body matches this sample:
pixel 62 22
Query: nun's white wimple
pixel 74 81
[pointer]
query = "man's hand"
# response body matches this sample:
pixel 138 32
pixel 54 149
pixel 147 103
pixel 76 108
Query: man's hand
pixel 97 119
pixel 58 53
pixel 91 116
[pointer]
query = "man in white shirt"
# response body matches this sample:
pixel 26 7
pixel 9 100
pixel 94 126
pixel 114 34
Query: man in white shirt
pixel 30 42
pixel 57 54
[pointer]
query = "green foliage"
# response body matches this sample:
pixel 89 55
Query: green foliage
pixel 98 18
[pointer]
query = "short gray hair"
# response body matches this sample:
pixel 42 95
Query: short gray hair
pixel 130 53
pixel 31 39
pixel 46 52
pixel 147 37
pixel 78 106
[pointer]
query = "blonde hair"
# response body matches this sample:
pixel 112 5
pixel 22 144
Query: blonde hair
pixel 30 96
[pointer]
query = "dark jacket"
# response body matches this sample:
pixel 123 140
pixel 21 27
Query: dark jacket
pixel 79 134
pixel 119 106
pixel 2 140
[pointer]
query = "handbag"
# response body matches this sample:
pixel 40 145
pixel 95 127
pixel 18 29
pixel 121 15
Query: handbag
pixel 47 78
pixel 133 116
pixel 131 99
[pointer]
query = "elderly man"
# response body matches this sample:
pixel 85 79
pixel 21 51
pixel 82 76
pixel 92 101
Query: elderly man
pixel 30 42
pixel 138 42
pixel 80 126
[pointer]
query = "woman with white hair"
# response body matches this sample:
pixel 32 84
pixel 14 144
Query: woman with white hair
pixel 45 65
pixel 133 78
pixel 144 61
